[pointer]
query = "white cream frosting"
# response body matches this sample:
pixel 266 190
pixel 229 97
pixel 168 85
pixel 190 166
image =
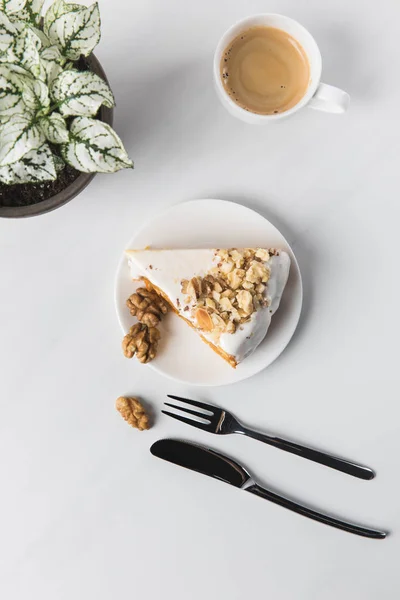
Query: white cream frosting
pixel 166 269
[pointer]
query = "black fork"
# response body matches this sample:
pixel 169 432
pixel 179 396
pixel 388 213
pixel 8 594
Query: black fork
pixel 220 421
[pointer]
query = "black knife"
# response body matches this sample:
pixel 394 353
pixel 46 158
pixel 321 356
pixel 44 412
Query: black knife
pixel 213 464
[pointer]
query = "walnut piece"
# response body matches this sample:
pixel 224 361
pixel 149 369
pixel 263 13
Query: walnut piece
pixel 257 273
pixel 133 412
pixel 245 301
pixel 141 341
pixel 235 278
pixel 218 322
pixel 147 306
pixel 263 254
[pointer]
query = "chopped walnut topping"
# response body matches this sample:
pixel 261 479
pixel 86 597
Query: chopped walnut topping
pixel 235 278
pixel 133 412
pixel 210 304
pixel 193 288
pixel 225 304
pixel 216 322
pixel 257 273
pixel 237 258
pixel 260 288
pixel 247 285
pixel 263 254
pixel 230 327
pixel 226 267
pixel 231 291
pixel 245 301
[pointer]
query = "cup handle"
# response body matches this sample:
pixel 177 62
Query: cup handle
pixel 330 99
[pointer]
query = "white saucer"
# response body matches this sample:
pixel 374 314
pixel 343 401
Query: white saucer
pixel 210 224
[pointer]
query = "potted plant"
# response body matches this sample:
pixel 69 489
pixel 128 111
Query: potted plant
pixel 55 106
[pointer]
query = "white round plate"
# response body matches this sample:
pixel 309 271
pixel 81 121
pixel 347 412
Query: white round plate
pixel 182 355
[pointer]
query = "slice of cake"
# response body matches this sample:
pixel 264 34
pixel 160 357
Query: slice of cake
pixel 227 295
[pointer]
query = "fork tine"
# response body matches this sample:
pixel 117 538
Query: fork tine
pixel 205 426
pixel 202 405
pixel 190 411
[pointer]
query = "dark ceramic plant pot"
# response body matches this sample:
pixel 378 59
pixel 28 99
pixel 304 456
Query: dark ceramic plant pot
pixel 76 187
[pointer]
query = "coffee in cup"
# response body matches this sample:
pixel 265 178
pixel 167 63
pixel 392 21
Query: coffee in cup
pixel 265 70
pixel 264 52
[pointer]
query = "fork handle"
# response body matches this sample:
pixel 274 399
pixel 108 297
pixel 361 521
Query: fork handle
pixel 340 464
pixel 312 514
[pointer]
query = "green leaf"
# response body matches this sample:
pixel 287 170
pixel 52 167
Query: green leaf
pixel 11 6
pixel 18 136
pixel 81 93
pixel 59 163
pixel 55 129
pixel 31 12
pixel 74 28
pixel 94 147
pixel 13 80
pixel 51 60
pixel 36 96
pixel 37 165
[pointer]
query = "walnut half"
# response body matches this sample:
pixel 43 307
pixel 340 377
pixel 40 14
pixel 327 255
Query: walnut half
pixel 133 412
pixel 141 341
pixel 147 306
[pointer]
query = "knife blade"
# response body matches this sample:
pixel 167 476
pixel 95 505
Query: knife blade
pixel 216 465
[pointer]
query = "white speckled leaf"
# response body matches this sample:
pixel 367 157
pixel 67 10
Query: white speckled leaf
pixel 11 6
pixel 18 136
pixel 55 129
pixel 13 80
pixel 81 93
pixel 31 12
pixel 25 49
pixel 94 147
pixel 37 165
pixel 7 35
pixel 42 36
pixel 51 60
pixel 75 28
pixel 54 12
pixel 36 96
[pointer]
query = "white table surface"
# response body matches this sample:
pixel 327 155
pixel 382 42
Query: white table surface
pixel 85 511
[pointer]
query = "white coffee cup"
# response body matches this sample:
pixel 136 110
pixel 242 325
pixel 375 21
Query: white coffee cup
pixel 318 95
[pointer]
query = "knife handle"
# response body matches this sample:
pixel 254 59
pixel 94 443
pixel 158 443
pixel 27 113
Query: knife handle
pixel 312 514
pixel 340 464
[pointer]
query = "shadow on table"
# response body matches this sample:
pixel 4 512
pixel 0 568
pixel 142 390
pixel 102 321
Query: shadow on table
pixel 343 61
